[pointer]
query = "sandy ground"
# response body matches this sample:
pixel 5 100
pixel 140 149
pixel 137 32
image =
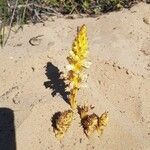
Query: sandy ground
pixel 119 81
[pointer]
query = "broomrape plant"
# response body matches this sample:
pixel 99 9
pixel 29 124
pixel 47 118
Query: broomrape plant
pixel 77 64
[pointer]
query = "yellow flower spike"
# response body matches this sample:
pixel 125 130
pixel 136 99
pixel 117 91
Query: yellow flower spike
pixel 77 62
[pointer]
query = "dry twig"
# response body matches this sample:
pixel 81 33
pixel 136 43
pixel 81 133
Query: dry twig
pixel 11 21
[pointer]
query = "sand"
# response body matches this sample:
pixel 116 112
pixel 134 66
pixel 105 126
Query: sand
pixel 118 81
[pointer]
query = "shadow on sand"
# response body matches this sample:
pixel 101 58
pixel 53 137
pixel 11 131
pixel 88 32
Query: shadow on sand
pixel 56 82
pixel 7 130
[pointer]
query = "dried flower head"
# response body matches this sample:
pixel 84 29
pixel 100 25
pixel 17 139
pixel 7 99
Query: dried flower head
pixel 83 111
pixel 61 123
pixel 92 122
pixel 102 122
pixel 89 122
